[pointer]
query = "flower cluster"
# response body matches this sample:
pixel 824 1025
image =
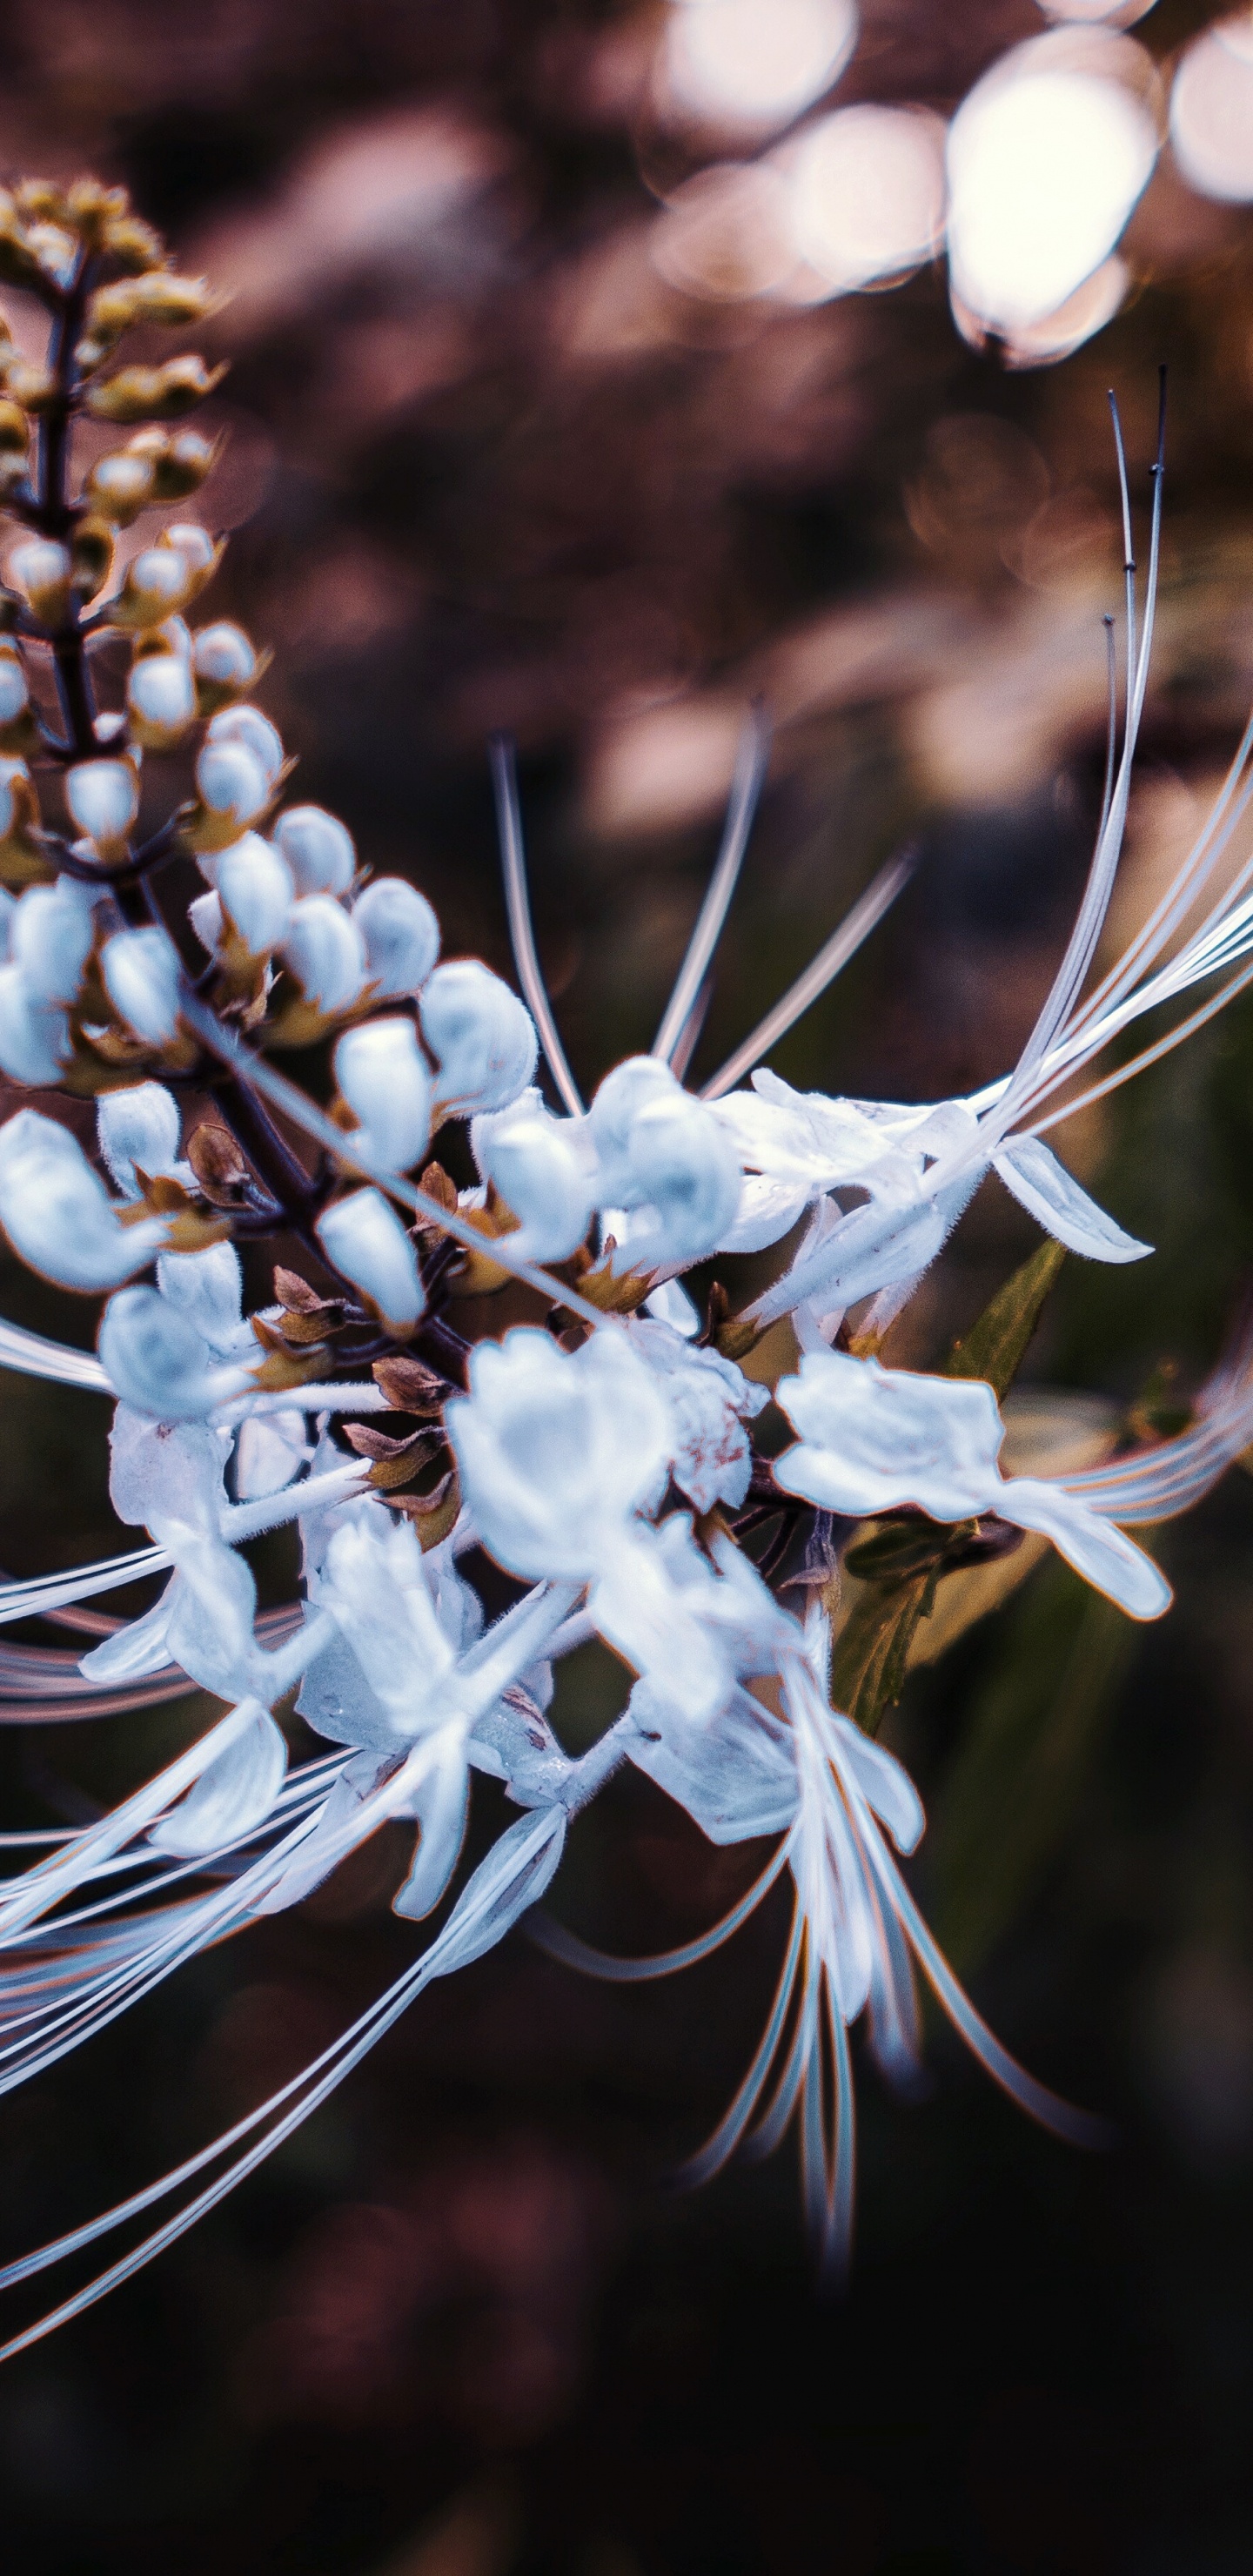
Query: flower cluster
pixel 609 1452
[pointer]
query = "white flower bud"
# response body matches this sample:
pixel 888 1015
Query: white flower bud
pixel 57 1212
pixel 255 888
pixel 121 486
pixel 195 548
pixel 685 1169
pixel 157 582
pixel 141 976
pixel 14 694
pixel 381 1073
pixel 481 1036
pixel 161 696
pixel 401 936
pixel 103 798
pixel 248 726
pixel 42 569
pixel 52 931
pixel 158 1362
pixel 208 1289
pixel 318 849
pixel 34 1036
pixel 138 1125
pixel 223 655
pixel 205 916
pixel 367 1243
pixel 535 1162
pixel 11 770
pixel 232 782
pixel 324 951
pixel 618 1102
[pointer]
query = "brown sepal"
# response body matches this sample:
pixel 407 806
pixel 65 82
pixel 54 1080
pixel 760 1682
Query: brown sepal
pixel 219 1165
pixel 409 1385
pixel 395 1462
pixel 434 1514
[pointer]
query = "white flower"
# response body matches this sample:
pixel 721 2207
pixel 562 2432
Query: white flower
pixel 50 935
pixel 254 887
pixel 401 936
pixel 57 1212
pixel 156 583
pixel 246 727
pixel 233 1792
pixel 141 977
pixel 232 781
pixel 159 1363
pixel 34 1035
pixel 318 849
pixel 558 1450
pixel 382 1076
pixel 543 1171
pixel 323 950
pixel 665 1154
pixel 709 1399
pixel 874 1438
pixel 140 1125
pixel 103 798
pixel 481 1036
pixel 222 653
pixel 365 1240
pixel 161 696
pixel 41 568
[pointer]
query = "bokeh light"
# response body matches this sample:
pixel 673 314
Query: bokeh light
pixel 1046 159
pixel 752 65
pixel 868 193
pixel 1211 111
pixel 727 233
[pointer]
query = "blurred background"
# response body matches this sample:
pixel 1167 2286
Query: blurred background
pixel 594 369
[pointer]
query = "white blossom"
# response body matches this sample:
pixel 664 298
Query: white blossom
pixel 140 1124
pixel 318 849
pixel 34 1035
pixel 323 950
pixel 255 889
pixel 103 798
pixel 382 1076
pixel 141 977
pixel 365 1239
pixel 543 1171
pixel 57 1212
pixel 481 1036
pixel 401 936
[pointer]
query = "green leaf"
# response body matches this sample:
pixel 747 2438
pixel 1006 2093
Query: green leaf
pixel 872 1649
pixel 995 1346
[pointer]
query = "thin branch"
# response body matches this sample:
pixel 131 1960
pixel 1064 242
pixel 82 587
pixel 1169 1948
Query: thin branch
pixel 843 944
pixel 752 762
pixel 517 900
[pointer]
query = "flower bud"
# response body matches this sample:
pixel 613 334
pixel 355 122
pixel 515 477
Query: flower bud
pixel 14 429
pixel 140 1125
pixel 256 893
pixel 205 916
pixel 103 798
pixel 224 662
pixel 367 1244
pixel 158 1361
pixel 233 788
pixel 401 935
pixel 683 1166
pixel 317 847
pixel 34 387
pixel 382 1076
pixel 55 249
pixel 481 1036
pixel 247 726
pixel 14 693
pixel 131 242
pixel 120 485
pixel 196 552
pixel 155 296
pixel 179 464
pixel 323 951
pixel 160 700
pixel 154 393
pixel 91 556
pixel 52 933
pixel 618 1101
pixel 58 1214
pixel 34 1035
pixel 141 975
pixel 42 570
pixel 534 1162
pixel 90 207
pixel 157 583
pixel 18 265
